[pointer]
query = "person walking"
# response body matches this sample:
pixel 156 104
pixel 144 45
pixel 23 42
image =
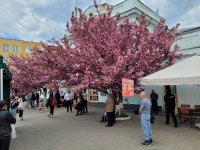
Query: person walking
pixel 28 102
pixel 108 108
pixel 85 101
pixel 13 106
pixel 57 95
pixel 21 107
pixel 6 119
pixel 144 112
pixel 37 97
pixel 13 111
pixel 33 97
pixel 52 106
pixel 68 100
pixel 170 105
pixel 49 100
pixel 154 101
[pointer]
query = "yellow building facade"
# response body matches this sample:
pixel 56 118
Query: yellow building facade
pixel 16 47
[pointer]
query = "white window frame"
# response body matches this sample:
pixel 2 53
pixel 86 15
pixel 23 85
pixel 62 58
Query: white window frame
pixel 5 47
pixel 93 95
pixel 15 48
pixel 28 50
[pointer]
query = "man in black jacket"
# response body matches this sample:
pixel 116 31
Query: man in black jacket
pixel 170 105
pixel 37 97
pixel 5 129
pixel 154 101
pixel 57 95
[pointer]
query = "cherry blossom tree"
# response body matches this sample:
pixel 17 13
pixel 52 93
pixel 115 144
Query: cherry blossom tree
pixel 108 49
pixel 105 49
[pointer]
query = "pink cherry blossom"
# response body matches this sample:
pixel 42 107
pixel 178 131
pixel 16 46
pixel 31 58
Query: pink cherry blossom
pixel 104 51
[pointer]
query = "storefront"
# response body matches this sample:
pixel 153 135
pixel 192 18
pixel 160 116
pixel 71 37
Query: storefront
pixel 5 81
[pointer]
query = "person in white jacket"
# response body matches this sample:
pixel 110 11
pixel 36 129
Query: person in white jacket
pixel 21 107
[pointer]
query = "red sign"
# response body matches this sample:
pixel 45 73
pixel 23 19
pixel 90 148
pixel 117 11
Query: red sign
pixel 127 87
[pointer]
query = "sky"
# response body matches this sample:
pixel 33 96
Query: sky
pixel 41 20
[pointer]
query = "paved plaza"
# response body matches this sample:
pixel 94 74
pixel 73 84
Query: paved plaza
pixel 69 132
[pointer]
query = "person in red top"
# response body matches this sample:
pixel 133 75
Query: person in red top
pixel 53 103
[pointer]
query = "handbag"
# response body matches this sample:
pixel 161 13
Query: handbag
pixel 13 134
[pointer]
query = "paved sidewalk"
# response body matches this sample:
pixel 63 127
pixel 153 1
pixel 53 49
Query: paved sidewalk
pixel 69 132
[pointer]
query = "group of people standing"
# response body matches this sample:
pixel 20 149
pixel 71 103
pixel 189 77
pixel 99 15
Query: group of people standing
pixel 170 105
pixel 68 100
pixel 78 100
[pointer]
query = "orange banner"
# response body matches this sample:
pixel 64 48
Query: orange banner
pixel 127 87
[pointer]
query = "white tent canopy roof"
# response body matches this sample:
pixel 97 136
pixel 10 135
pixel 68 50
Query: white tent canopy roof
pixel 186 72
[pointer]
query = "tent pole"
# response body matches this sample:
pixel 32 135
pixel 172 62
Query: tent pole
pixel 1 84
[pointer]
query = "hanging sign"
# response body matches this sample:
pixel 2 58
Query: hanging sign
pixel 127 87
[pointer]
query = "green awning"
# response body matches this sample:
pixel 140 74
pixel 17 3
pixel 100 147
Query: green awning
pixel 6 73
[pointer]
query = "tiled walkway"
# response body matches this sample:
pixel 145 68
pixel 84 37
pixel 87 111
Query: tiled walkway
pixel 67 132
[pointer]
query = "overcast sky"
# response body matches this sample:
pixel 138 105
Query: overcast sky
pixel 43 19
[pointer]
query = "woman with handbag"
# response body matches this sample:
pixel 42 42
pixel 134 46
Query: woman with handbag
pixel 53 103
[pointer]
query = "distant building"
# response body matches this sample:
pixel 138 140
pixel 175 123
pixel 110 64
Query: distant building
pixel 16 47
pixel 130 8
pixel 189 45
pixel 190 41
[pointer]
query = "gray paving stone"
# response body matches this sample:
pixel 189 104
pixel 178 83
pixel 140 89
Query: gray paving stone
pixel 69 132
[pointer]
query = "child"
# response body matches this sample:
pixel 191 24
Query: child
pixel 40 106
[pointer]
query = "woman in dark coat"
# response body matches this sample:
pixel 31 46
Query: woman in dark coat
pixel 5 126
pixel 57 95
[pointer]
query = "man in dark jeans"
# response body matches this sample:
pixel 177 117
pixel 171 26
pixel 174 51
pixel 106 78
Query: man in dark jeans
pixel 170 105
pixel 68 100
pixel 5 126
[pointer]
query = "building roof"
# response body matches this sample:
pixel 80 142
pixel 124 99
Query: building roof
pixel 188 29
pixel 18 40
pixel 124 2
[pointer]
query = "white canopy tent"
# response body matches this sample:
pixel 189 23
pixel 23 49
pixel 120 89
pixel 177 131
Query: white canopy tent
pixel 186 72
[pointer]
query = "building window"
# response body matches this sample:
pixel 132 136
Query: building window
pixel 15 48
pixel 93 95
pixel 5 48
pixel 28 50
